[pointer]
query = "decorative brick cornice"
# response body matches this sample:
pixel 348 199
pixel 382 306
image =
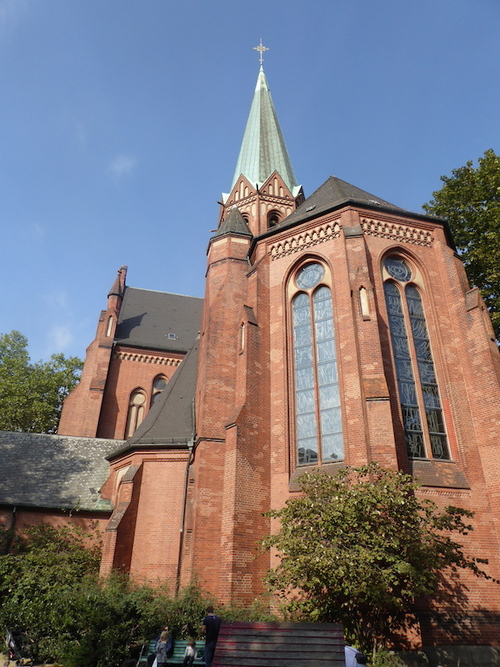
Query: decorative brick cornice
pixel 397 232
pixel 146 358
pixel 446 493
pixel 304 239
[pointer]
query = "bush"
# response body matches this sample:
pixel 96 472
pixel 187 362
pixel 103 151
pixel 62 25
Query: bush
pixel 49 587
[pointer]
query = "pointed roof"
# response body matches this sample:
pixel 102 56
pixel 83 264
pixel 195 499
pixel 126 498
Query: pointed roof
pixel 118 287
pixel 263 149
pixel 333 193
pixel 233 223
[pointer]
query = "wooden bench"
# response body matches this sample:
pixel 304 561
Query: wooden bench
pixel 280 645
pixel 177 657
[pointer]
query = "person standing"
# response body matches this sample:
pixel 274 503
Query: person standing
pixel 210 628
pixel 162 649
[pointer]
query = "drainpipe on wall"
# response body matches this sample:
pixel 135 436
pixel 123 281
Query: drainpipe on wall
pixel 191 447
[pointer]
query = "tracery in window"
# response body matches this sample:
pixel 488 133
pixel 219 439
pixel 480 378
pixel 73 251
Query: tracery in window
pixel 159 384
pixel 415 373
pixel 318 419
pixel 136 411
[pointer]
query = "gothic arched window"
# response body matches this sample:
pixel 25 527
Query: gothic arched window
pixel 416 378
pixel 136 411
pixel 159 384
pixel 318 419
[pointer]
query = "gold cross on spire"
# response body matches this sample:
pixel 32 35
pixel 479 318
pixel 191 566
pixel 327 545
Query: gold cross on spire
pixel 261 50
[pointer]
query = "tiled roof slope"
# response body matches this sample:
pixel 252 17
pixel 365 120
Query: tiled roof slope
pixel 234 223
pixel 158 320
pixel 170 420
pixel 54 471
pixel 333 193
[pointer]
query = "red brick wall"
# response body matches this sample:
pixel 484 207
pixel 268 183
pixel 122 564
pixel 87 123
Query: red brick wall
pixel 245 455
pixel 245 398
pixel 131 369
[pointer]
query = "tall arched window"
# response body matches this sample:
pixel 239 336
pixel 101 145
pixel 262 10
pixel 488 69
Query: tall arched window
pixel 417 383
pixel 136 411
pixel 318 419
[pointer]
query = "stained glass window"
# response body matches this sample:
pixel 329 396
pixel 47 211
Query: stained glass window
pixel 415 373
pixel 404 373
pixel 317 397
pixel 428 382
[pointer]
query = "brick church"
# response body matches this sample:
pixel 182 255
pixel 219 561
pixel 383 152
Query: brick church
pixel 335 330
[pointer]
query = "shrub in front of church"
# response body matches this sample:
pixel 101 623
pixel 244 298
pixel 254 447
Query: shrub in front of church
pixel 35 575
pixel 50 589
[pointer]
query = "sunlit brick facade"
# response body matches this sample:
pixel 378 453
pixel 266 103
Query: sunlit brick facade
pixel 336 330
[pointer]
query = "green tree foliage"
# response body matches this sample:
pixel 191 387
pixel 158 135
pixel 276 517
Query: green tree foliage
pixel 32 394
pixel 360 547
pixel 36 575
pixel 51 590
pixel 470 201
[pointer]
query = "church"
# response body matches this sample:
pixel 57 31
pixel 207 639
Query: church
pixel 335 330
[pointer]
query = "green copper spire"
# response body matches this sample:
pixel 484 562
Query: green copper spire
pixel 263 148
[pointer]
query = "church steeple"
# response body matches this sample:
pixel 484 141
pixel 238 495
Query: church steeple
pixel 264 187
pixel 263 149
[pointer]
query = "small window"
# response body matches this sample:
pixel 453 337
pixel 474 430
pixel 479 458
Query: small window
pixel 136 411
pixel 172 336
pixel 273 219
pixel 159 384
pixel 109 326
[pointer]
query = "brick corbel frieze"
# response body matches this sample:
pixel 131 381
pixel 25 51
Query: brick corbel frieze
pixel 146 358
pixel 397 231
pixel 331 229
pixel 305 239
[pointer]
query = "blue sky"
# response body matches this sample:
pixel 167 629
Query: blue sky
pixel 121 122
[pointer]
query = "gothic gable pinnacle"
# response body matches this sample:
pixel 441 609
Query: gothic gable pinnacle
pixel 118 287
pixel 263 149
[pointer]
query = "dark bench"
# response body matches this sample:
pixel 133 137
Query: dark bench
pixel 280 644
pixel 177 658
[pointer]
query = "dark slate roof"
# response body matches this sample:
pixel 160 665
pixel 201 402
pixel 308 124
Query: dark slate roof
pixel 333 193
pixel 234 223
pixel 158 320
pixel 54 471
pixel 171 419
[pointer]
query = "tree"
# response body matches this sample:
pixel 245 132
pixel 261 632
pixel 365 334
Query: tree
pixel 31 395
pixel 360 547
pixel 470 201
pixel 50 590
pixel 43 566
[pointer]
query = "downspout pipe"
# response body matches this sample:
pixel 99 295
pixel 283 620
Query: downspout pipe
pixel 191 448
